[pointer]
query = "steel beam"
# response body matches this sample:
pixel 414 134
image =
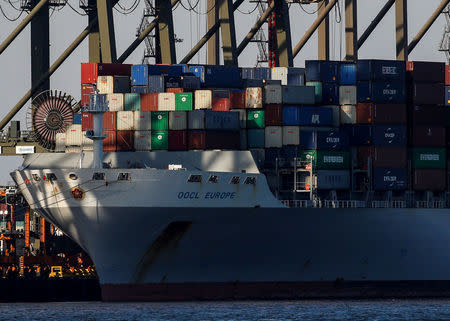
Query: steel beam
pixel 165 30
pixel 427 25
pixel 401 29
pixel 94 35
pixel 106 28
pixel 141 37
pixel 206 37
pixel 323 33
pixel 214 41
pixel 40 48
pixel 226 19
pixel 351 30
pixel 58 62
pixel 375 22
pixel 282 25
pixel 313 27
pixel 22 25
pixel 255 28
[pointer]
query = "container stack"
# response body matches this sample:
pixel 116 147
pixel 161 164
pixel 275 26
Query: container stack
pixel 427 117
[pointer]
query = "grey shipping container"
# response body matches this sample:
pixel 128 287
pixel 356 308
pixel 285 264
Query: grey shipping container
pixel 298 95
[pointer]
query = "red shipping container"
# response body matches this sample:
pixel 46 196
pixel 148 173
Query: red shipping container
pixel 149 102
pixel 178 140
pixel 90 71
pixel 237 99
pixel 197 140
pixel 174 90
pixel 429 180
pixel 109 143
pixel 223 140
pixel 428 136
pixel 109 121
pixel 273 115
pixel 427 115
pixel 381 157
pixel 125 140
pixel 221 104
pixel 389 113
pixel 364 113
pixel 447 75
pixel 86 90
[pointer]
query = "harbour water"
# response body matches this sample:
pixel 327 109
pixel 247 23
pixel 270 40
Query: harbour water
pixel 420 309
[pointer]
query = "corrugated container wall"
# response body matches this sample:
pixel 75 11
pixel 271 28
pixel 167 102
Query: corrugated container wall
pixel 273 94
pixel 125 120
pixel 115 102
pixel 160 120
pixel 392 92
pixel 166 101
pixel 255 138
pixel 60 142
pixel 332 140
pixel 429 136
pixel 143 140
pixel 177 120
pixel 380 70
pixel 291 115
pixel 428 158
pixel 291 135
pixel 178 140
pixel 222 120
pixel 73 135
pixel 273 137
pixel 298 95
pixel 203 99
pixel 330 94
pixel 425 71
pixel 90 71
pixel 280 73
pixel 273 115
pixel 255 119
pixel 132 102
pixel 254 97
pixel 156 84
pixel 160 140
pixel 321 70
pixel 333 179
pixel 183 101
pixel 125 140
pixel 428 94
pixel 296 76
pixel 347 74
pixel 142 120
pixel 149 102
pixel 316 116
pixel 389 135
pixel 429 180
pixel 348 114
pixel 347 95
pixel 317 90
pixel 390 179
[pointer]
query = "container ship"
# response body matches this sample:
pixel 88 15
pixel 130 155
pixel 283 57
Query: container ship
pixel 254 183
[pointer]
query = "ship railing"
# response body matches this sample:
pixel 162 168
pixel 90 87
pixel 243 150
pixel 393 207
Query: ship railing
pixel 431 204
pixel 343 204
pixel 299 203
pixel 388 204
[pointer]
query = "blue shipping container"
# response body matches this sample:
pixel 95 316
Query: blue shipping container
pixel 385 179
pixel 316 116
pixel 347 74
pixel 190 82
pixel 360 135
pixel 255 138
pixel 308 139
pixel 393 92
pixel 184 68
pixel 333 140
pixel 221 120
pixel 330 94
pixel 321 70
pixel 77 119
pixel 290 152
pixel 291 115
pixel 271 155
pixel 247 73
pixel 447 95
pixel 296 76
pixel 302 95
pixel 218 76
pixel 172 82
pixel 156 84
pixel 140 73
pixel 381 70
pixel 139 90
pixel 262 73
pixel 385 135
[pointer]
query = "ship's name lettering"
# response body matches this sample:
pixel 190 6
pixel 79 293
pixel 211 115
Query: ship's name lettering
pixel 208 195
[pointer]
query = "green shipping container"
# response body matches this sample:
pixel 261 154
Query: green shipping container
pixel 160 140
pixel 428 158
pixel 132 102
pixel 160 120
pixel 327 159
pixel 318 89
pixel 255 119
pixel 183 101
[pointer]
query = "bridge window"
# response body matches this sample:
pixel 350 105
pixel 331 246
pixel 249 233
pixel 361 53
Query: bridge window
pixel 36 177
pixel 73 176
pixel 124 177
pixel 51 177
pixel 250 180
pixel 98 176
pixel 213 179
pixel 235 180
pixel 195 179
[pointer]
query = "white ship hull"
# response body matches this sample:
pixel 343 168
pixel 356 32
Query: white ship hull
pixel 159 237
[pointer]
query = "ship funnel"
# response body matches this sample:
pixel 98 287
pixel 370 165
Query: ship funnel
pixel 98 105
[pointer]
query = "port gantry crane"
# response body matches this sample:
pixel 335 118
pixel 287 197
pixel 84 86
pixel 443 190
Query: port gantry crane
pixel 281 52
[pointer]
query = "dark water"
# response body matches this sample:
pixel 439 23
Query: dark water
pixel 262 310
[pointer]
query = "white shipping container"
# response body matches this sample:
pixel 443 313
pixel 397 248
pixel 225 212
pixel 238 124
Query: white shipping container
pixel 253 97
pixel 280 73
pixel 196 119
pixel 336 114
pixel 348 114
pixel 73 135
pixel 273 94
pixel 291 135
pixel 73 149
pixel 177 120
pixel 166 101
pixel 243 137
pixel 273 137
pixel 347 95
pixel 203 99
pixel 105 84
pixel 125 120
pixel 143 140
pixel 86 143
pixel 60 142
pixel 115 102
pixel 142 120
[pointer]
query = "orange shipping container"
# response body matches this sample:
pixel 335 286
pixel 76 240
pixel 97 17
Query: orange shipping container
pixel 125 140
pixel 109 143
pixel 447 75
pixel 364 113
pixel 149 102
pixel 109 121
pixel 237 99
pixel 174 90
